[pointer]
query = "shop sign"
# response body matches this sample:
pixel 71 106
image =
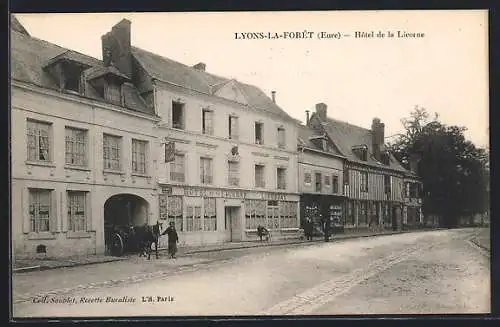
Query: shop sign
pixel 233 194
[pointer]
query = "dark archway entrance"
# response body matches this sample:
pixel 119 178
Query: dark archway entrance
pixel 122 211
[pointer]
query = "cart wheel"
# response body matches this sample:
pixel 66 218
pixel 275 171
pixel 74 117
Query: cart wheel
pixel 117 245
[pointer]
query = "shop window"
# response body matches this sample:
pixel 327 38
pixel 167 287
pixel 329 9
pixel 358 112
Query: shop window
pixel 175 211
pixel 193 218
pixel 210 214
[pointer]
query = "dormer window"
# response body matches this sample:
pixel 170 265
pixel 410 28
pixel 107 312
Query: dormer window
pixel 67 70
pixel 108 81
pixel 361 151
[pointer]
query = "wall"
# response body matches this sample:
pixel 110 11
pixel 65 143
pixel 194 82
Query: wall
pixel 62 111
pixel 376 191
pixel 316 163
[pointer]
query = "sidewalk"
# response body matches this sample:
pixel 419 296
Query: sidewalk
pixel 26 265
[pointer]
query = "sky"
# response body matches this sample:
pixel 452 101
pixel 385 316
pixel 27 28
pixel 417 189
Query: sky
pixel 445 71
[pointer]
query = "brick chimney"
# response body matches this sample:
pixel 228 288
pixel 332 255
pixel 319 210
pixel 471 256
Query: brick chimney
pixel 378 136
pixel 321 111
pixel 200 66
pixel 307 117
pixel 116 47
pixel 273 95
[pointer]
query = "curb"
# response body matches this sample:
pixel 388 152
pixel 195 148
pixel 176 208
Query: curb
pixel 478 244
pixel 42 268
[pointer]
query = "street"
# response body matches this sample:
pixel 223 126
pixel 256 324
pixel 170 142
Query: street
pixel 434 272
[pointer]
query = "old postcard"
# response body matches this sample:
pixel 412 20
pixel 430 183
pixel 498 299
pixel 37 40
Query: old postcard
pixel 250 163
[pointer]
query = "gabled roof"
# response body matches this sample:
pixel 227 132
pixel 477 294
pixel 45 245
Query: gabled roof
pixel 346 136
pixel 307 134
pixel 30 55
pixel 171 71
pixel 17 26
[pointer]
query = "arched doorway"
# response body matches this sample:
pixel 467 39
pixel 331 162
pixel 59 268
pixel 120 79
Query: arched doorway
pixel 122 211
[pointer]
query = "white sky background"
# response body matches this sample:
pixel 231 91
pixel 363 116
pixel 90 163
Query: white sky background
pixel 445 72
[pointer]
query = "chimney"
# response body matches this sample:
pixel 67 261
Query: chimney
pixel 307 117
pixel 116 47
pixel 378 131
pixel 273 95
pixel 200 66
pixel 321 111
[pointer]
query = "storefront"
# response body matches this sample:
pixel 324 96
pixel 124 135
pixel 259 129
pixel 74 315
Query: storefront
pixel 215 215
pixel 317 206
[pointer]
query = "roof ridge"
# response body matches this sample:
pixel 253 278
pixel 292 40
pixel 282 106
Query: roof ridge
pixel 56 45
pixel 347 123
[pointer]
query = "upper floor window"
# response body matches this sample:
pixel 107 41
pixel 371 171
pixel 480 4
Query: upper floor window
pixel 113 93
pixel 281 178
pixel 259 176
pixel 177 115
pixel 112 152
pixel 139 150
pixel 72 80
pixel 76 147
pixel 38 134
pixel 233 173
pixel 363 181
pixel 307 178
pixel 335 184
pixel 327 180
pixel 207 121
pixel 318 182
pixel 233 127
pixel 206 171
pixel 40 210
pixel 387 184
pixel 177 170
pixel 259 133
pixel 281 138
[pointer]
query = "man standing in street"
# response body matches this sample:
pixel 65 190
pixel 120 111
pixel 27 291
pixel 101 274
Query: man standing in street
pixel 173 239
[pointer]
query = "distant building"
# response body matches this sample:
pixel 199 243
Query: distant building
pixel 373 180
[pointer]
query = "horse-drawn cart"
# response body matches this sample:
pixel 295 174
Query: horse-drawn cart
pixel 120 239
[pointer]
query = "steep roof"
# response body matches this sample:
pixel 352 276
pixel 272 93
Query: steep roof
pixel 346 136
pixel 305 136
pixel 17 26
pixel 30 55
pixel 171 71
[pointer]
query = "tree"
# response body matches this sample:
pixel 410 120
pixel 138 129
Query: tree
pixel 452 169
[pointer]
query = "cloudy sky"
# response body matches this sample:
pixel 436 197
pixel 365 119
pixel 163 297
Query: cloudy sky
pixel 446 71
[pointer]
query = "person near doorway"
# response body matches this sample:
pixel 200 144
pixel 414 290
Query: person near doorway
pixel 173 239
pixel 326 228
pixel 308 229
pixel 262 231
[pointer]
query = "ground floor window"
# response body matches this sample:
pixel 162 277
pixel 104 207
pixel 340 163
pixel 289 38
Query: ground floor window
pixel 255 213
pixel 413 216
pixel 193 218
pixel 350 219
pixel 77 217
pixel 288 214
pixel 210 214
pixel 273 217
pixel 40 209
pixel 175 211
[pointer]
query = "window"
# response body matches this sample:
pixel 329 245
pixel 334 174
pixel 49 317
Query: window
pixel 288 214
pixel 77 221
pixel 175 212
pixel 72 80
pixel 139 156
pixel 387 184
pixel 307 178
pixel 335 184
pixel 40 210
pixel 281 138
pixel 259 176
pixel 193 218
pixel 281 180
pixel 324 144
pixel 207 122
pixel 273 215
pixel 318 182
pixel 327 181
pixel 206 171
pixel 364 154
pixel 111 152
pixel 177 169
pixel 363 181
pixel 233 174
pixel 114 94
pixel 76 147
pixel 38 141
pixel 233 127
pixel 259 133
pixel 210 216
pixel 177 115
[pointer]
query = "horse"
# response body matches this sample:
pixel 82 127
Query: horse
pixel 145 236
